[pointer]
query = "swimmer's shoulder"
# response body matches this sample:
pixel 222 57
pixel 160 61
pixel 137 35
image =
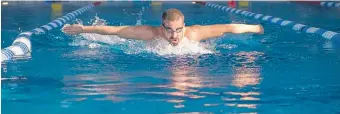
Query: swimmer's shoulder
pixel 151 32
pixel 156 30
pixel 191 32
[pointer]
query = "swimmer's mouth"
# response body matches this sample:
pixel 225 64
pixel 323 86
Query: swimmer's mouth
pixel 174 39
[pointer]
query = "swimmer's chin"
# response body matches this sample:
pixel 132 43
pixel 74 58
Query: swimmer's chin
pixel 174 44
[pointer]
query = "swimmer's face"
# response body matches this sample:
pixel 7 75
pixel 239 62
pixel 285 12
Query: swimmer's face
pixel 174 30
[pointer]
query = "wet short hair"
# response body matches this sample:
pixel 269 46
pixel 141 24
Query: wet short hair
pixel 172 15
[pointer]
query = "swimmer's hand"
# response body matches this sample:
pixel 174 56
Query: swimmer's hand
pixel 260 29
pixel 73 29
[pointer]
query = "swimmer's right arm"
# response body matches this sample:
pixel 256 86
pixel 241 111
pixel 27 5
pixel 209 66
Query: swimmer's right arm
pixel 129 32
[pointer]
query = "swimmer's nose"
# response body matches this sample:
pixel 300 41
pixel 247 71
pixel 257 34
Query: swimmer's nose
pixel 173 34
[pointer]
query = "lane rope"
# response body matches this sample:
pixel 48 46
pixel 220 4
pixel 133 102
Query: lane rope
pixel 22 44
pixel 330 35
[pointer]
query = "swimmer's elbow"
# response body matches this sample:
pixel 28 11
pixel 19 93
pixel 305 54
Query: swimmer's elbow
pixel 244 28
pixel 128 32
pixel 203 32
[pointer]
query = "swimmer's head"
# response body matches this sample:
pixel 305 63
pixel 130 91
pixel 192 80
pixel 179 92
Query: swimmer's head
pixel 173 25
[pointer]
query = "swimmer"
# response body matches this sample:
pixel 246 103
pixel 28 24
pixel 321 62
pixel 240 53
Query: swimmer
pixel 172 29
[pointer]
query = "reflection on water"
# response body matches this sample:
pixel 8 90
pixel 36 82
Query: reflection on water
pixel 246 76
pixel 183 81
pixel 185 87
pixel 186 83
pixel 93 86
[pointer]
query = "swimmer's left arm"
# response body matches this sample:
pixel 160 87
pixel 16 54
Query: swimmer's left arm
pixel 211 31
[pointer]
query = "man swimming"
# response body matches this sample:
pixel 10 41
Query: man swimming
pixel 172 29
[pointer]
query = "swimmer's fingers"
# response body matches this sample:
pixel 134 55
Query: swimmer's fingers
pixel 261 29
pixel 67 30
pixel 70 31
pixel 73 29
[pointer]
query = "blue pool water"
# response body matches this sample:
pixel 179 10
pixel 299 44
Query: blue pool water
pixel 280 71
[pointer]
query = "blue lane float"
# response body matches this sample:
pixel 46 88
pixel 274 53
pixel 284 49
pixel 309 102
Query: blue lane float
pixel 22 44
pixel 330 4
pixel 330 35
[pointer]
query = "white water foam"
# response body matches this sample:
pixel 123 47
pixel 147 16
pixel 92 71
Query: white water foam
pixel 185 47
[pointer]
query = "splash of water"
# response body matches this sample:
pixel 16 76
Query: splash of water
pixel 158 46
pixel 185 47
